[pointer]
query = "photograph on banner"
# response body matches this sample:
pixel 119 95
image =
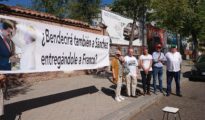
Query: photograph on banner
pixel 119 28
pixel 30 46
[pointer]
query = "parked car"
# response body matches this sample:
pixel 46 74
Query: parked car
pixel 128 29
pixel 198 69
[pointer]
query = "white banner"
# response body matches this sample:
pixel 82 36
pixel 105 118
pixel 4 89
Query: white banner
pixel 119 28
pixel 45 47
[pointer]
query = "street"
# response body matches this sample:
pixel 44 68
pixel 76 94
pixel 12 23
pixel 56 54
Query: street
pixel 191 105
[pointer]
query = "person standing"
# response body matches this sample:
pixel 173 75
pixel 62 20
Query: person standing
pixel 145 61
pixel 131 78
pixel 117 73
pixel 158 61
pixel 2 78
pixel 174 60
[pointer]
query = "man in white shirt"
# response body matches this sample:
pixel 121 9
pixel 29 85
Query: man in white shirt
pixel 174 60
pixel 131 78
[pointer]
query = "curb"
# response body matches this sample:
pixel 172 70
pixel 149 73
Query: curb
pixel 131 109
pixel 141 103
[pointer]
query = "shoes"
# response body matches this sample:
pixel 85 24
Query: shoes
pixel 167 94
pixel 155 92
pixel 140 93
pixel 134 96
pixel 148 93
pixel 121 98
pixel 117 99
pixel 180 95
pixel 163 92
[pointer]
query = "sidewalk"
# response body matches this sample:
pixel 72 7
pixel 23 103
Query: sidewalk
pixel 76 98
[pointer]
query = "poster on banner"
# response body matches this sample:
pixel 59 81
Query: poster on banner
pixel 119 28
pixel 30 46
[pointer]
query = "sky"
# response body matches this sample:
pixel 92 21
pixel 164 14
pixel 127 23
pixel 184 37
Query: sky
pixel 27 3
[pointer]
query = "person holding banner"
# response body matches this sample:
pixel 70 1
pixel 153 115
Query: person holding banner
pixel 117 73
pixel 2 78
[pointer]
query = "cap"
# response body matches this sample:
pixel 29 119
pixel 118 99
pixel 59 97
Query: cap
pixel 173 46
pixel 158 46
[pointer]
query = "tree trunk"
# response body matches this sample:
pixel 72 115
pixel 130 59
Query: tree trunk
pixel 132 33
pixel 195 44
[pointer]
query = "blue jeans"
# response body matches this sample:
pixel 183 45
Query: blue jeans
pixel 157 74
pixel 176 76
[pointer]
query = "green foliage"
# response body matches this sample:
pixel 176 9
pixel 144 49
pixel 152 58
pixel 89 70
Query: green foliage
pixel 184 17
pixel 55 7
pixel 169 13
pixel 134 9
pixel 83 10
pixel 202 20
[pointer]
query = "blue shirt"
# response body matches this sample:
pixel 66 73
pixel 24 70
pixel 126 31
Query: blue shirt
pixel 157 57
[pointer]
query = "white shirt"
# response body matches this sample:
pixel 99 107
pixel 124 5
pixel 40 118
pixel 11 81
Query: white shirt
pixel 173 61
pixel 132 64
pixel 146 61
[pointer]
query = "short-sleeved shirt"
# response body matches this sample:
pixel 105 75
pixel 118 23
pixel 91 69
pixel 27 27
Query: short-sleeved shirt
pixel 132 64
pixel 146 61
pixel 173 61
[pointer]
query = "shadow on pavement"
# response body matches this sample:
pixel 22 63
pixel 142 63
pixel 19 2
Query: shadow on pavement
pixel 15 109
pixel 108 92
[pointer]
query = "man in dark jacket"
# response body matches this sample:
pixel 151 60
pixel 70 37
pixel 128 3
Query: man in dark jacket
pixel 6 46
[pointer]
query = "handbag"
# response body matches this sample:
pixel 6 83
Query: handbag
pixel 126 70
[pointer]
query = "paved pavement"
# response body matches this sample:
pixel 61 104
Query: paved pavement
pixel 191 105
pixel 82 97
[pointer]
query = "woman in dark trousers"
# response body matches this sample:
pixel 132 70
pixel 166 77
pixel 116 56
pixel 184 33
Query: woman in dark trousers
pixel 145 62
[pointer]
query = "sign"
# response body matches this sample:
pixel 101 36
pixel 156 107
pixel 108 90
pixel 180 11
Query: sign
pixel 43 47
pixel 119 29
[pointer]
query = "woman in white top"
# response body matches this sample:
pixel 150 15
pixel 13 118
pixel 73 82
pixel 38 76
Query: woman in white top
pixel 145 62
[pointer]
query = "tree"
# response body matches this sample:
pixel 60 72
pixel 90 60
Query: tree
pixel 84 10
pixel 134 9
pixel 184 17
pixel 202 20
pixel 55 7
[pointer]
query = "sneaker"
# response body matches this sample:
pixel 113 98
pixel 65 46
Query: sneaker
pixel 117 99
pixel 163 92
pixel 167 94
pixel 155 93
pixel 121 98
